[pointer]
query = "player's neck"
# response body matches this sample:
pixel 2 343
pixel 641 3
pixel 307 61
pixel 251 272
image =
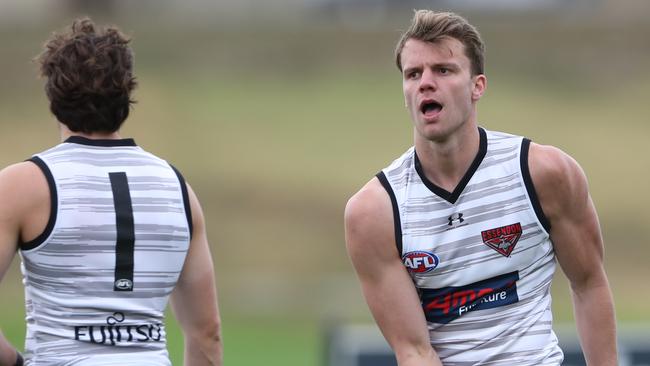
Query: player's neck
pixel 445 162
pixel 66 133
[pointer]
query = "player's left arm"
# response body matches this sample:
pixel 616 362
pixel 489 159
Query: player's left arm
pixel 194 300
pixel 563 192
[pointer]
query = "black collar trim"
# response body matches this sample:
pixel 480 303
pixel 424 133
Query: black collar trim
pixel 100 142
pixel 452 197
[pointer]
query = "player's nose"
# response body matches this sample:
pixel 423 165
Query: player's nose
pixel 427 81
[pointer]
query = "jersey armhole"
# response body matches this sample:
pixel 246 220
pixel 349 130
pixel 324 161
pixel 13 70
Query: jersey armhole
pixel 530 188
pixel 396 218
pixel 186 199
pixel 54 201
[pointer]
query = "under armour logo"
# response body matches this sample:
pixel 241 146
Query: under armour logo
pixel 455 217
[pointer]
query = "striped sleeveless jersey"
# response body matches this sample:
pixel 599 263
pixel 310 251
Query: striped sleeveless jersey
pixel 98 279
pixel 480 256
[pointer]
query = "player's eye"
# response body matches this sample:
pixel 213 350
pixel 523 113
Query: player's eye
pixel 412 74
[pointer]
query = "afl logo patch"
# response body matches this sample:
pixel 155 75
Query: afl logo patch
pixel 124 285
pixel 420 261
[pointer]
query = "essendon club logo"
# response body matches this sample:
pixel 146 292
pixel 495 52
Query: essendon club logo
pixel 502 239
pixel 420 262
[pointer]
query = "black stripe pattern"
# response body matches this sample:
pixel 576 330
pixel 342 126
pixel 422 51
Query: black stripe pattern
pixel 396 216
pixel 186 199
pixel 125 245
pixel 54 201
pixel 530 187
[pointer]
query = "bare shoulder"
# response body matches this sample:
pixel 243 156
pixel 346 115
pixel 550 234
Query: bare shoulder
pixel 22 181
pixel 559 180
pixel 21 169
pixel 23 187
pixel 369 221
pixel 25 197
pixel 368 206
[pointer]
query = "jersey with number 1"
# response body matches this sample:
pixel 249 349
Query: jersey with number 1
pixel 98 279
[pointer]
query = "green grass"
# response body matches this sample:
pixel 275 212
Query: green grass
pixel 275 342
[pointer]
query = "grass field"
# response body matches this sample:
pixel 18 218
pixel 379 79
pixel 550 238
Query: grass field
pixel 275 146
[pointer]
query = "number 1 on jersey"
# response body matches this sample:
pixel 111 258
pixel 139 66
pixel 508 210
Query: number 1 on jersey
pixel 125 244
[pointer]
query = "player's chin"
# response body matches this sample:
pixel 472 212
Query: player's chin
pixel 433 131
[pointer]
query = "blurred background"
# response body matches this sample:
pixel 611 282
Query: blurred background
pixel 278 111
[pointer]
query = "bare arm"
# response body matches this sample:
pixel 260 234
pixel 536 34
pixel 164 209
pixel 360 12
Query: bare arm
pixel 24 210
pixel 563 192
pixel 8 354
pixel 194 300
pixel 387 287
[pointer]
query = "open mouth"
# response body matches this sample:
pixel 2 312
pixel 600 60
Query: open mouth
pixel 430 108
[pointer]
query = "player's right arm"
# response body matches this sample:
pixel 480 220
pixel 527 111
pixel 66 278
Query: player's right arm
pixel 8 241
pixel 8 354
pixel 194 300
pixel 24 196
pixel 387 287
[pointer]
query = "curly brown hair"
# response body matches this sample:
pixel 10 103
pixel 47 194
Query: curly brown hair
pixel 90 77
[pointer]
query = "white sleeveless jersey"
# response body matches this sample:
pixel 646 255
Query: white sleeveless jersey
pixel 480 256
pixel 97 280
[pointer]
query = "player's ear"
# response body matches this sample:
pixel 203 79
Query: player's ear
pixel 479 85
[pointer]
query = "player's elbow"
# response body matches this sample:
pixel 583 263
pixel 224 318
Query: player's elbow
pixel 205 345
pixel 211 332
pixel 415 354
pixel 589 282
